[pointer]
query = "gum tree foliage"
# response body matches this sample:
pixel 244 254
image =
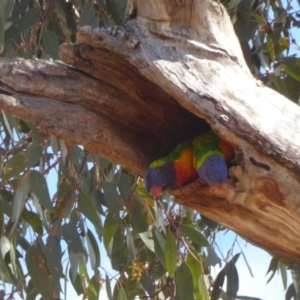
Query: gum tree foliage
pixel 59 203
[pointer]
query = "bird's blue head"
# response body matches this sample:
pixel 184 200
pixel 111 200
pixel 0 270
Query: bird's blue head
pixel 213 170
pixel 159 179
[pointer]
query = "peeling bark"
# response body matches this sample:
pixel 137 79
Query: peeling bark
pixel 135 91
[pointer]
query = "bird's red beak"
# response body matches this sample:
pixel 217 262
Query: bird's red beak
pixel 156 191
pixel 219 186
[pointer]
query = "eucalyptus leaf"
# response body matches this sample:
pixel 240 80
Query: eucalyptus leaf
pixel 39 187
pixel 110 227
pixel 20 198
pixel 232 280
pixel 53 256
pixel 117 9
pixel 130 244
pixel 38 271
pixel 94 252
pixel 159 245
pixel 23 23
pixel 87 207
pixel 147 238
pixel 73 265
pixel 33 220
pixel 5 206
pixel 112 198
pixel 195 264
pixel 72 238
pixel 88 15
pixel 194 235
pixel 33 153
pixel 184 282
pixel 170 253
pixel 77 283
pixel 119 292
pixel 108 287
pixel 83 272
pixel 51 44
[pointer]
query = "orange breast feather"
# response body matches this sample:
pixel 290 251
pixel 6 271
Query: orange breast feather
pixel 184 168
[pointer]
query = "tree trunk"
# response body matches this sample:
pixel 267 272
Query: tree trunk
pixel 138 89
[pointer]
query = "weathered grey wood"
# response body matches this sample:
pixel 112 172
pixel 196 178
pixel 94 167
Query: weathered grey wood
pixel 118 123
pixel 144 86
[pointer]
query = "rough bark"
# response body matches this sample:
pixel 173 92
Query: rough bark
pixel 139 89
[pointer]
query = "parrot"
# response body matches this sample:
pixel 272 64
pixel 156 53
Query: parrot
pixel 207 157
pixel 211 157
pixel 172 171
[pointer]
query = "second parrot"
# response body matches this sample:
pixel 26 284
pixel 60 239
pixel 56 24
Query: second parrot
pixel 206 157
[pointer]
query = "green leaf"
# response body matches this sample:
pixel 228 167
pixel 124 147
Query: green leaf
pixel 184 282
pixel 130 244
pixel 139 220
pixel 94 252
pixel 124 185
pixel 290 292
pixel 110 228
pixel 147 239
pixel 232 280
pixel 2 25
pixel 271 48
pixel 88 15
pixel 159 245
pixel 38 271
pixel 283 274
pixel 195 264
pixel 78 157
pixel 170 253
pixel 88 209
pixel 96 284
pixel 21 24
pixel 5 205
pixel 66 16
pixel 83 272
pixel 108 287
pixel 65 195
pixel 33 220
pixel 53 256
pixel 20 199
pixel 72 238
pixel 119 292
pixel 73 265
pixel 14 166
pixel 77 284
pixel 39 187
pixel 8 8
pixel 117 8
pixel 156 270
pixel 290 72
pixel 5 247
pixel 273 266
pixel 33 153
pixel 112 198
pixel 194 235
pixel 218 285
pixel 51 44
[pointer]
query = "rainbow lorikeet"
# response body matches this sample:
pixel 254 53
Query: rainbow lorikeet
pixel 171 171
pixel 206 157
pixel 211 157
